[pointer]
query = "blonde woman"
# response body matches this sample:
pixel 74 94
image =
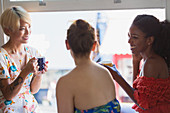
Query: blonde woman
pixel 19 75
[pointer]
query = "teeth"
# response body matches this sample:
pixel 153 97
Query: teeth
pixel 133 47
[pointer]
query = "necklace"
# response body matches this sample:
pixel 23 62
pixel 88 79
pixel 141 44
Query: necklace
pixel 22 60
pixel 19 58
pixel 17 55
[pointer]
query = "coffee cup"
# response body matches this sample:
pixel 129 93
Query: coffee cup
pixel 41 63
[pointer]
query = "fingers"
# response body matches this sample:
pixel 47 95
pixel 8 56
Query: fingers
pixel 33 59
pixel 32 65
pixel 112 69
pixel 46 66
pixel 35 64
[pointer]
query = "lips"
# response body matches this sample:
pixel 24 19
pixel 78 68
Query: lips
pixel 25 38
pixel 132 48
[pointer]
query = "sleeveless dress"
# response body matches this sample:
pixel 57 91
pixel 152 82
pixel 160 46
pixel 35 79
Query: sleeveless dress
pixel 24 102
pixel 111 107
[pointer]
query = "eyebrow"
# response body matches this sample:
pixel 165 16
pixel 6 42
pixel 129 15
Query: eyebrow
pixel 133 34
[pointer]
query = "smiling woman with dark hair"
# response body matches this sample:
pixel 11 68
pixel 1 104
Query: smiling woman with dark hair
pixel 149 40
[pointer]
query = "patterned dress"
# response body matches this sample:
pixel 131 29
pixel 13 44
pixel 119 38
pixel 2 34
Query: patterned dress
pixel 24 102
pixel 111 107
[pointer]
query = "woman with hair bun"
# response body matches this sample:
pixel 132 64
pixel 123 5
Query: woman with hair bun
pixel 149 40
pixel 89 87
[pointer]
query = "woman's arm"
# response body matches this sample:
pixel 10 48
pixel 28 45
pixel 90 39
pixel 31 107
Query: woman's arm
pixel 35 83
pixel 10 88
pixel 36 80
pixel 64 97
pixel 120 80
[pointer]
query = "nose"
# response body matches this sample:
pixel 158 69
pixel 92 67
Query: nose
pixel 28 31
pixel 129 40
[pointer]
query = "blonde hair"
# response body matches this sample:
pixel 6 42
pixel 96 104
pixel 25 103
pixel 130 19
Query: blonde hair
pixel 10 18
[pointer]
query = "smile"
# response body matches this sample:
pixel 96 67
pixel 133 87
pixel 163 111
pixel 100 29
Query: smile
pixel 132 47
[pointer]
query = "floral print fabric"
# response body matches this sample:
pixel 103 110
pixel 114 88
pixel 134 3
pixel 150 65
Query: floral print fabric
pixel 111 107
pixel 24 102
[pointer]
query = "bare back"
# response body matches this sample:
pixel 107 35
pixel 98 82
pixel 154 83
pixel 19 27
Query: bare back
pixel 91 85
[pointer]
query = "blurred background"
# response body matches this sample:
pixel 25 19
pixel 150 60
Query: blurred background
pixel 110 18
pixel 49 34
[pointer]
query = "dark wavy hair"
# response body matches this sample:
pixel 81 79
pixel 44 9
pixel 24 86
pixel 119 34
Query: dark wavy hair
pixel 81 37
pixel 151 26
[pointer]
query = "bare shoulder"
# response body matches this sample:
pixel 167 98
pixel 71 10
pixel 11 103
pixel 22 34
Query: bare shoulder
pixel 64 95
pixel 102 68
pixel 156 67
pixel 64 80
pixel 103 71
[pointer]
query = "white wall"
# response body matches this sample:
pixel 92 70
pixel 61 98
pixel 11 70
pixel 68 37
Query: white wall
pixel 168 10
pixel 1 32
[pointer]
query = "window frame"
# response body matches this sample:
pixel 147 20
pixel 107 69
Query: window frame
pixel 81 5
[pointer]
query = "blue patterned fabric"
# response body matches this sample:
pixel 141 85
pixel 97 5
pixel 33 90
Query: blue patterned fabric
pixel 111 107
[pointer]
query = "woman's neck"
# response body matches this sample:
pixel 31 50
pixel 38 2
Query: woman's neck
pixel 82 61
pixel 12 48
pixel 148 54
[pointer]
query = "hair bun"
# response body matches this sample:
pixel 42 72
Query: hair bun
pixel 82 25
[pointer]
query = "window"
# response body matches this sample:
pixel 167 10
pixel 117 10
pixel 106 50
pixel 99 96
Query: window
pixel 49 34
pixel 49 30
